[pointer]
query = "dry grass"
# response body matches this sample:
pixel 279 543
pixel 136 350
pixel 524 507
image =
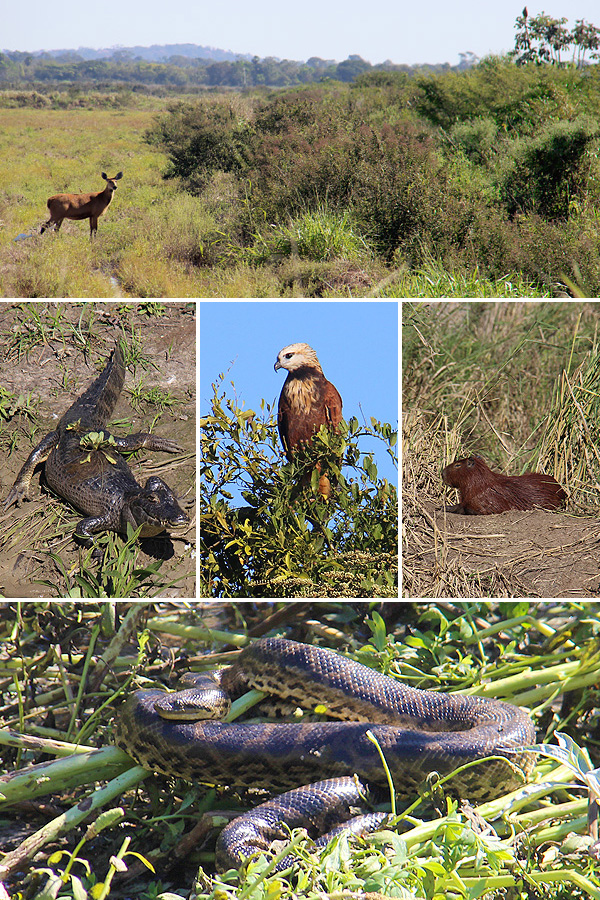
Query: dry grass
pixel 571 439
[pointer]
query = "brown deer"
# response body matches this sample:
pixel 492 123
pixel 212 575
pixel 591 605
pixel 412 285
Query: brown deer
pixel 81 206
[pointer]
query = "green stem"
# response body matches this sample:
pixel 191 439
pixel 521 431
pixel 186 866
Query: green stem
pixel 540 683
pixel 386 768
pixel 82 767
pixel 196 632
pixel 83 680
pixel 73 817
pixel 40 744
pixel 479 886
pixel 113 869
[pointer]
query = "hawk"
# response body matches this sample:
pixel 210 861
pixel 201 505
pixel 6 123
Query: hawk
pixel 307 401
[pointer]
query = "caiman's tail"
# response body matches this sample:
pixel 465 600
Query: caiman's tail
pixel 96 405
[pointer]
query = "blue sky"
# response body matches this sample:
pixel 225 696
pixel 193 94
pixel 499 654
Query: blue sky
pixel 356 342
pixel 402 31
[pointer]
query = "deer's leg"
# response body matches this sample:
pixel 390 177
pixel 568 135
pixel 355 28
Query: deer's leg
pixel 93 226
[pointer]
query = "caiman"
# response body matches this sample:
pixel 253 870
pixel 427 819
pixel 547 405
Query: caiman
pixel 93 477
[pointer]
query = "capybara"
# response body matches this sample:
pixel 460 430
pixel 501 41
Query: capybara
pixel 483 492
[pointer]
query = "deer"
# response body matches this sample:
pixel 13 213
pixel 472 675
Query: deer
pixel 81 206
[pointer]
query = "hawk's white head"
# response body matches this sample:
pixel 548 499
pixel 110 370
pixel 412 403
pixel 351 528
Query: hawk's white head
pixel 298 356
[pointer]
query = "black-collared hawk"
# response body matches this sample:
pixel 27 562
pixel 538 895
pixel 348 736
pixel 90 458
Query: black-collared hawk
pixel 306 402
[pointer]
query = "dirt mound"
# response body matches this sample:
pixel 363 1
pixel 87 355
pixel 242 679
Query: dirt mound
pixel 514 554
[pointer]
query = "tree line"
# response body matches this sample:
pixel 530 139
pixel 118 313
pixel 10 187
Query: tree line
pixel 539 39
pixel 184 72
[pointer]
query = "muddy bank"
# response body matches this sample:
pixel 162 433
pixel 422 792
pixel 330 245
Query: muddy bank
pixel 51 353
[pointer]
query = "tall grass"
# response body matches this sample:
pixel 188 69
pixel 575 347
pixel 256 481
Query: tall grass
pixel 56 267
pixel 433 280
pixel 153 240
pixel 318 235
pixel 517 383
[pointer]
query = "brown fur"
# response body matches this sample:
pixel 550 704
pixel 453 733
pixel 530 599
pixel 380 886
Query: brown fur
pixel 483 492
pixel 81 206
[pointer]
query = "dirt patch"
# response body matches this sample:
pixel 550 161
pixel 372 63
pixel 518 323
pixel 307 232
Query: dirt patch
pixel 531 554
pixel 53 351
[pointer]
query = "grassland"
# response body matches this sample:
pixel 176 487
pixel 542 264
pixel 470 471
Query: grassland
pixel 159 240
pixel 50 151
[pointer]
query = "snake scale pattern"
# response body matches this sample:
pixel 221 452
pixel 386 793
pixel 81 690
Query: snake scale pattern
pixel 419 732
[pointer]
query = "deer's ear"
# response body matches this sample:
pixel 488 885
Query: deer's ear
pixel 116 178
pixel 104 175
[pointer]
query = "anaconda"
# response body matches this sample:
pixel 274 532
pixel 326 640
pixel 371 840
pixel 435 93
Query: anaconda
pixel 95 479
pixel 418 731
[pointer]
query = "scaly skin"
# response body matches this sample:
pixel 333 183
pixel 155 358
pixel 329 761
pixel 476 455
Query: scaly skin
pixel 99 482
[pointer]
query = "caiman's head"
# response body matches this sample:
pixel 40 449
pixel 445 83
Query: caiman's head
pixel 154 507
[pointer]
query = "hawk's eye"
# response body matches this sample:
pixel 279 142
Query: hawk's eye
pixel 288 355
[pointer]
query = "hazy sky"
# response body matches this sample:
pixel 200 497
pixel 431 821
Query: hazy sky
pixel 405 32
pixel 356 342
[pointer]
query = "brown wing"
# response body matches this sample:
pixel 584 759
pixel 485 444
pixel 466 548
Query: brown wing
pixel 332 403
pixel 284 417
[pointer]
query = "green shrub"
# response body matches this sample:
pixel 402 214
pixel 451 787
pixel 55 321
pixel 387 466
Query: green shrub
pixel 553 169
pixel 550 254
pixel 518 98
pixel 403 194
pixel 562 253
pixel 390 178
pixel 485 189
pixel 476 138
pixel 202 138
pixel 318 236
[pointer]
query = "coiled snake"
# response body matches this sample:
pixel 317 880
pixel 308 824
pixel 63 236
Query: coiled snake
pixel 418 731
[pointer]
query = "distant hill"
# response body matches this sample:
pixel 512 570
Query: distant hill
pixel 155 53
